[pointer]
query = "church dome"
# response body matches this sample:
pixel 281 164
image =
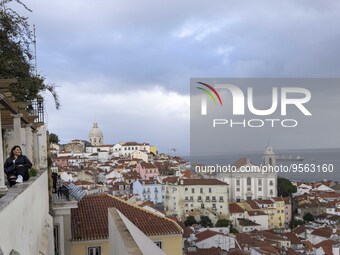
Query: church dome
pixel 96 135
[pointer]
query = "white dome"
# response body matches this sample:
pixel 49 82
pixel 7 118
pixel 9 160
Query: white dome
pixel 96 135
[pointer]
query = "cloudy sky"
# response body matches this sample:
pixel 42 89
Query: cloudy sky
pixel 127 64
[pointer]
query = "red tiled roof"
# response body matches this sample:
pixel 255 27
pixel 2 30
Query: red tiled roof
pixel 205 234
pixel 235 208
pixel 148 165
pixel 325 243
pixel 246 222
pixel 242 162
pixel 324 232
pixel 292 238
pixel 202 182
pixel 252 204
pixel 236 252
pixel 90 220
pixel 209 251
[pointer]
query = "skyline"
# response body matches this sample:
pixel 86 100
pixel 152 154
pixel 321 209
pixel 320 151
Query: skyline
pixel 133 62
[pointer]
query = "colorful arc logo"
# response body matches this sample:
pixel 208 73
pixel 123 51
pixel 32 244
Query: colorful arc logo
pixel 211 89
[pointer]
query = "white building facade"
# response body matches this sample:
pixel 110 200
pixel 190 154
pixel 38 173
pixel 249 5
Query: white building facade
pixel 249 181
pixel 196 197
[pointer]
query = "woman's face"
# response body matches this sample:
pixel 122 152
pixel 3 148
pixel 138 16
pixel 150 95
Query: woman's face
pixel 17 152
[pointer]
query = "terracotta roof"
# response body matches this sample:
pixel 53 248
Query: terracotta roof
pixel 246 222
pixel 292 238
pixel 308 245
pixel 90 220
pixel 324 232
pixel 252 204
pixel 299 230
pixel 236 252
pixel 325 243
pixel 171 179
pixel 148 165
pixel 83 183
pixel 242 162
pixel 235 208
pixel 202 182
pixel 205 234
pixel 209 251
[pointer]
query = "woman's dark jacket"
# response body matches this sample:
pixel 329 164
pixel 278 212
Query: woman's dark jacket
pixel 21 160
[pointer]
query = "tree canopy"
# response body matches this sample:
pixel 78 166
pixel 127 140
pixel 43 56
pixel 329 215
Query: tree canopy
pixel 16 58
pixel 284 187
pixel 189 221
pixel 53 138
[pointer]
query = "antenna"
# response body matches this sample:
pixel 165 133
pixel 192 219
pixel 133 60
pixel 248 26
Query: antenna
pixel 35 51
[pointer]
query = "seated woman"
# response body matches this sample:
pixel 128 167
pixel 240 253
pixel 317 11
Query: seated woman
pixel 17 166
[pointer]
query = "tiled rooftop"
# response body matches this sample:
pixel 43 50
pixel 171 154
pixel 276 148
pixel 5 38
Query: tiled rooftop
pixel 90 220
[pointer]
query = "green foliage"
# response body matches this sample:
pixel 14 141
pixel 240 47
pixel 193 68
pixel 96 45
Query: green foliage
pixel 222 223
pixel 294 223
pixel 16 58
pixel 308 217
pixel 53 138
pixel 205 221
pixel 33 172
pixel 284 187
pixel 189 221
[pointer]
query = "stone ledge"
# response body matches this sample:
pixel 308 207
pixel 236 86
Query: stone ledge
pixel 14 191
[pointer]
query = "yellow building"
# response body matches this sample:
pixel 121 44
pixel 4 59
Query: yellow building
pixel 153 150
pixel 90 230
pixel 274 207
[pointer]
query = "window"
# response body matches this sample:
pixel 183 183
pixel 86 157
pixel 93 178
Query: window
pixel 248 189
pixel 213 198
pixel 260 182
pixel 199 198
pixel 192 190
pixel 221 199
pixel 201 190
pixel 248 181
pixel 238 182
pixel 159 244
pixel 191 198
pixel 238 199
pixel 186 189
pixel 213 206
pixel 260 188
pixel 207 198
pixel 248 198
pixel 202 206
pixel 271 192
pixel 271 183
pixel 209 190
pixel 96 250
pixel 237 189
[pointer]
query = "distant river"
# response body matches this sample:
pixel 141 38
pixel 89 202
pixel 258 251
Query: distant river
pixel 318 157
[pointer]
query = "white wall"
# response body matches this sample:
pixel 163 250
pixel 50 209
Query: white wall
pixel 25 219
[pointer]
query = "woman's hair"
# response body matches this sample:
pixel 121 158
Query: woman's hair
pixel 13 149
